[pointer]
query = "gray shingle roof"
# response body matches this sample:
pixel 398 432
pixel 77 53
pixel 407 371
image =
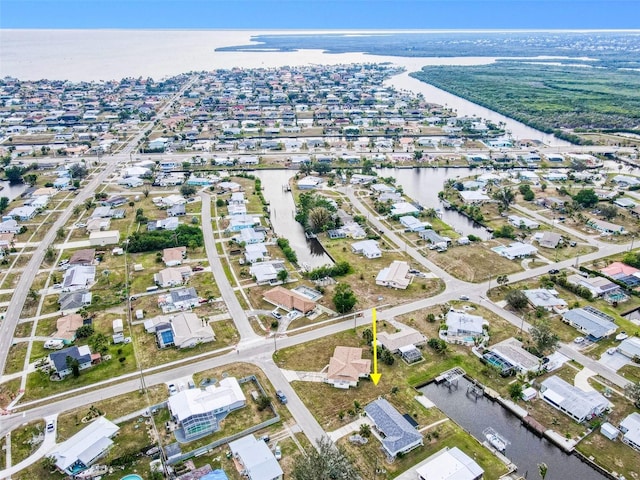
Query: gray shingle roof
pixel 399 433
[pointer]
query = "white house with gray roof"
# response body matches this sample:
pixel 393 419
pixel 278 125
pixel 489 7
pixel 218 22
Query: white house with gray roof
pixel 545 298
pixel 591 322
pixel 576 403
pixel 630 427
pixel 630 347
pixel 395 432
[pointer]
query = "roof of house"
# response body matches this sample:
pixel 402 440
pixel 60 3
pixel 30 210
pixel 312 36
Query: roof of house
pixel 173 275
pixel 73 300
pixel 395 273
pixel 173 254
pixel 87 444
pixel 66 326
pixel 347 364
pixel 83 257
pixel 183 295
pixel 399 434
pixel 79 275
pixel 630 346
pixel 512 351
pixel 542 297
pixel 402 208
pixel 59 358
pixel 631 424
pixel 617 268
pixel 194 401
pixel 572 399
pixel 289 299
pixel 449 464
pixel 403 337
pixel 591 320
pixel 461 321
pixel 366 247
pixel 187 326
pixel 256 458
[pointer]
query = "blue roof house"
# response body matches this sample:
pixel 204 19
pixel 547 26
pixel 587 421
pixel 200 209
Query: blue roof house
pixel 396 433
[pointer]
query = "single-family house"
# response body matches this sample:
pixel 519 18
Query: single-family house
pixel 83 257
pixel 266 272
pixel 573 401
pixel 395 275
pixel 591 322
pixel 402 337
pixel 510 352
pixel 624 202
pixel 473 196
pixel 289 300
pixel 462 326
pixel 131 182
pixel 66 328
pixel 84 448
pixel 255 252
pixel 625 181
pixel 102 212
pixel 170 223
pixel 395 432
pixel 184 330
pixel 98 224
pixel 240 222
pixel 102 238
pixel 549 239
pixel 516 250
pixel 9 226
pixel 174 256
pixel 412 224
pixel 598 286
pixel 199 411
pixel 179 300
pixel 309 182
pixel 63 367
pixel 79 277
pixel 177 210
pixel 172 276
pixel 256 461
pixel 522 222
pixel 630 428
pixel 230 186
pixel 404 208
pixel 236 209
pixel 74 300
pixel 23 213
pixel 249 236
pixel 630 348
pixel 432 237
pixel 545 298
pixel 347 367
pixel 605 227
pixel 367 248
pixel 449 464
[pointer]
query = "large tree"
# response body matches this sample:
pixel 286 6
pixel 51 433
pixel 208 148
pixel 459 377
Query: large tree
pixel 319 219
pixel 504 196
pixel 633 392
pixel 344 299
pixel 516 299
pixel 543 337
pixel 586 198
pixel 328 462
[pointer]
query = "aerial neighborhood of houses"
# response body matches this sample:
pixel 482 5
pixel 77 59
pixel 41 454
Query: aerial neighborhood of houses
pixel 190 268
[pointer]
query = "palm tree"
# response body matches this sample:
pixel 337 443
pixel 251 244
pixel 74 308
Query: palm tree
pixel 542 469
pixel 319 217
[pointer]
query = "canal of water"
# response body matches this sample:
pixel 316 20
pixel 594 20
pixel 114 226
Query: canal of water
pixel 526 449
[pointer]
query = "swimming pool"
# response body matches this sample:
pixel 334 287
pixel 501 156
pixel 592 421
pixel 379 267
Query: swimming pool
pixel 132 476
pixel 310 293
pixel 499 249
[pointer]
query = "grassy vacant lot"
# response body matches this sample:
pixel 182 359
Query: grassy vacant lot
pixel 472 263
pixel 15 358
pixel 21 440
pixel 543 96
pixel 8 391
pixel 367 457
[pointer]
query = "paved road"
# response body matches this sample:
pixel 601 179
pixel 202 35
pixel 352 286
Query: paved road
pixel 226 290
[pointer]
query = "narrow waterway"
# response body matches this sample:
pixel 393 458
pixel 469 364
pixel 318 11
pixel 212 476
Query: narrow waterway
pixel 423 185
pixel 282 210
pixel 526 450
pixel 11 191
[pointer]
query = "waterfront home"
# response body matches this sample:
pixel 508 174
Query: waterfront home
pixel 395 275
pixel 240 222
pixel 289 300
pixel 412 224
pixel 85 447
pixel 9 226
pixel 473 196
pixel 23 213
pixel 360 179
pixel 462 327
pixel 255 252
pixel 235 209
pixel 249 236
pixel 347 367
pixel 199 411
pixel 545 298
pixel 449 464
pixel 394 431
pixel 309 182
pixel 367 248
pixel 510 352
pixel 630 427
pixel 572 401
pixel 174 256
pixel 630 348
pixel 590 321
pixel 404 336
pixel 404 208
pixel 266 272
pixel 254 459
pixel 382 188
pixel 432 237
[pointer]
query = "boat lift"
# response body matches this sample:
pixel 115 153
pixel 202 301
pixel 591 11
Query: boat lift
pixel 451 377
pixel 495 440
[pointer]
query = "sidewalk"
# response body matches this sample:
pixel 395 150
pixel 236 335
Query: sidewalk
pixel 348 429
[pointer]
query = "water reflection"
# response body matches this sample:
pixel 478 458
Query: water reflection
pixel 526 450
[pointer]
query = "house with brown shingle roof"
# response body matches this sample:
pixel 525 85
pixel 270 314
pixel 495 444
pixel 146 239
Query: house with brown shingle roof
pixel 347 367
pixel 83 257
pixel 289 300
pixel 66 327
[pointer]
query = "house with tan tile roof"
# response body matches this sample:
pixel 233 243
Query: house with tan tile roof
pixel 66 327
pixel 289 300
pixel 347 367
pixel 173 256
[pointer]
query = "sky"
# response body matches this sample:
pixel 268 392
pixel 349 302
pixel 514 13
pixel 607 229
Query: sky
pixel 320 14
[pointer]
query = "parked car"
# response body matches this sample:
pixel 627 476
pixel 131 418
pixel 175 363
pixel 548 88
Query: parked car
pixel 198 268
pixel 578 340
pixel 50 427
pixel 172 389
pixel 281 396
pixel 464 297
pixel 554 271
pixel 276 315
pixel 611 350
pixel 277 452
pixel 57 285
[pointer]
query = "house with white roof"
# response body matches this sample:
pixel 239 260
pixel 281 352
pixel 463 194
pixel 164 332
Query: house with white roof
pixel 23 213
pixel 79 277
pixel 266 272
pixel 625 181
pixel 367 248
pixel 179 300
pixel 522 222
pixel 510 351
pixel 413 224
pixel 403 336
pixel 462 327
pixel 403 208
pixel 249 236
pixel 605 227
pixel 598 286
pixel 184 330
pixel 473 196
pixel 309 183
pixel 630 427
pixel 571 400
pixel 449 464
pixel 395 275
pixel 240 222
pixel 199 411
pixel 9 226
pixel 172 277
pixel 255 252
pixel 545 298
pixel 85 447
pixel 255 458
pixel 630 347
pixel 516 250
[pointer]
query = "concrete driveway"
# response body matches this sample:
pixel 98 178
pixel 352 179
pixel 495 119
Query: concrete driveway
pixel 615 362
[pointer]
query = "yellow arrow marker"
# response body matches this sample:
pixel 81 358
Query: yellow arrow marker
pixel 375 376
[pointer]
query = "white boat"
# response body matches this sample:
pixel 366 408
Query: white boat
pixel 496 442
